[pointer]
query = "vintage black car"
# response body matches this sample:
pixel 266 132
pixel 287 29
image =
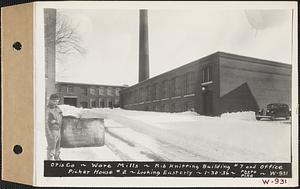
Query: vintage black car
pixel 274 111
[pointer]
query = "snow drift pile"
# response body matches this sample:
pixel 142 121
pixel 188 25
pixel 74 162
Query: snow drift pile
pixel 248 115
pixel 68 110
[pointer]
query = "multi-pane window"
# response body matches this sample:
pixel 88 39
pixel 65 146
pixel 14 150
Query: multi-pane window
pixel 144 94
pixel 178 107
pixel 189 82
pixel 110 91
pixel 141 94
pixel 109 103
pixel 69 89
pixel 166 108
pixel 164 89
pixel 58 88
pixel 125 98
pixel 172 107
pixel 155 92
pixel 102 91
pixel 93 103
pixel 101 103
pixel 207 74
pixel 135 94
pixel 85 91
pixel 148 93
pixel 177 87
pixel 117 92
pixel 130 97
pixel 172 87
pixel 92 91
pixel 157 108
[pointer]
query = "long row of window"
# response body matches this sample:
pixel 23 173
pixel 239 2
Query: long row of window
pixel 177 86
pixel 173 107
pixel 102 91
pixel 100 103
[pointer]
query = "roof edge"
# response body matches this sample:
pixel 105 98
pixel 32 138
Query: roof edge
pixel 253 60
pixel 89 84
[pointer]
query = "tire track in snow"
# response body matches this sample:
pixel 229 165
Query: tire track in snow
pixel 200 149
pixel 120 138
pixel 213 150
pixel 166 151
pixel 110 143
pixel 128 150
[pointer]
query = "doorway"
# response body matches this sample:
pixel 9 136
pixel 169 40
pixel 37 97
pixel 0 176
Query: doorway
pixel 70 101
pixel 208 103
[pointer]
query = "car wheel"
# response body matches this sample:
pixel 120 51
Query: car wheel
pixel 258 118
pixel 287 118
pixel 272 118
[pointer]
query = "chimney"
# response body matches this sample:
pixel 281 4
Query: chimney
pixel 143 47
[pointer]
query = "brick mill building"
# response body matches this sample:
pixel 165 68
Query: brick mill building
pixel 218 83
pixel 212 85
pixel 89 95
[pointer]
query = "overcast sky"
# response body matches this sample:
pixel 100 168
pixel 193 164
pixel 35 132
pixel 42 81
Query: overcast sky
pixel 110 38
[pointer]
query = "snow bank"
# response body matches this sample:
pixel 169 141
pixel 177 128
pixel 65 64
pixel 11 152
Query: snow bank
pixel 68 110
pixel 248 115
pixel 187 113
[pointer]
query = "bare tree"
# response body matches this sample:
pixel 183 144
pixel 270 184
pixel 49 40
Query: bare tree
pixel 67 39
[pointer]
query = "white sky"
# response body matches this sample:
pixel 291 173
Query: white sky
pixel 176 37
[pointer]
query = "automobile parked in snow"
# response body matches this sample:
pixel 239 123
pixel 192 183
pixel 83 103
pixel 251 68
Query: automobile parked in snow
pixel 273 111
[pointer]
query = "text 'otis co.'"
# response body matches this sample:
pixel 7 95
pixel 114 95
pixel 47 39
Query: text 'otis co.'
pixel 165 169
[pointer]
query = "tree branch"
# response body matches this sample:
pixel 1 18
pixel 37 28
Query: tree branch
pixel 67 39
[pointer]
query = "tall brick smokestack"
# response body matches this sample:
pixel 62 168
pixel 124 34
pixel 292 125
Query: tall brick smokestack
pixel 143 47
pixel 50 50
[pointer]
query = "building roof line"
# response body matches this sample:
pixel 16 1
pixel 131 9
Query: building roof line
pixel 254 60
pixel 203 59
pixel 220 54
pixel 90 84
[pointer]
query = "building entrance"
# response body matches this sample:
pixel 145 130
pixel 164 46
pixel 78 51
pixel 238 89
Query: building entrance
pixel 70 101
pixel 208 103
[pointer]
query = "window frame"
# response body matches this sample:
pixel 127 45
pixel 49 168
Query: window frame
pixel 207 74
pixel 101 91
pixel 165 88
pixel 94 91
pixel 70 89
pixel 178 86
pixel 189 82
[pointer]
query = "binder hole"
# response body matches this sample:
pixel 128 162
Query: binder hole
pixel 18 149
pixel 17 46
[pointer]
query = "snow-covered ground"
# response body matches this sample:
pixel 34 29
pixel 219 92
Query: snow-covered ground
pixel 187 136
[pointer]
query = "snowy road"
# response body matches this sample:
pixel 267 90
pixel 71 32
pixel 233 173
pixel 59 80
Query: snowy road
pixel 154 136
pixel 132 145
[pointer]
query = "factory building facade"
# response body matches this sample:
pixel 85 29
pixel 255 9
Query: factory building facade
pixel 89 95
pixel 215 84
